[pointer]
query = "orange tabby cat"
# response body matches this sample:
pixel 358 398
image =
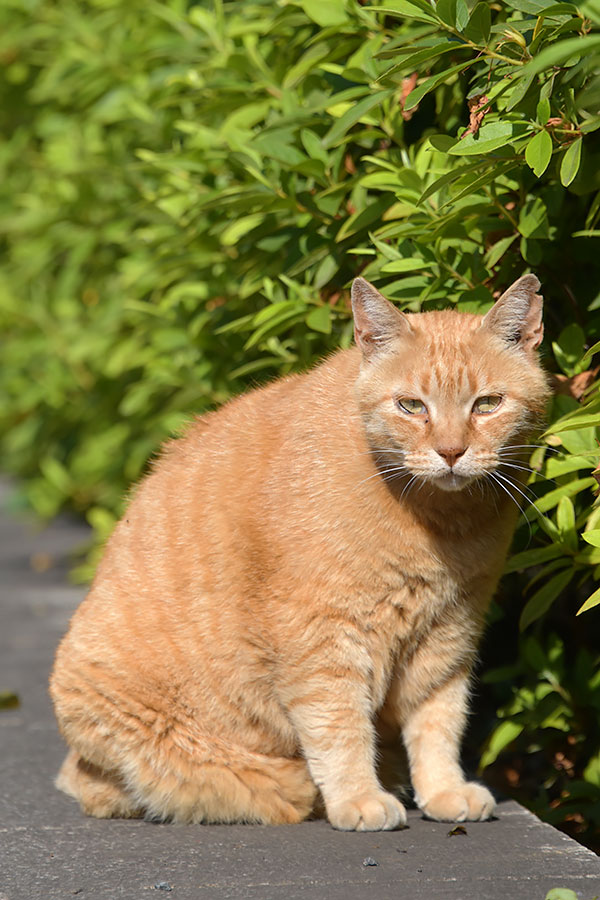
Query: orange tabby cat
pixel 308 567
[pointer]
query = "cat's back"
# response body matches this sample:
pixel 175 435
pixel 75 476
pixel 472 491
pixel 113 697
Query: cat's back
pixel 195 526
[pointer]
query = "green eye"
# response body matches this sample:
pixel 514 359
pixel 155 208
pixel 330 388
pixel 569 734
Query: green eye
pixel 414 407
pixel 487 404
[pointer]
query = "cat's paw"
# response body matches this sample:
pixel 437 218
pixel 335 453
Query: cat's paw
pixel 369 811
pixel 470 802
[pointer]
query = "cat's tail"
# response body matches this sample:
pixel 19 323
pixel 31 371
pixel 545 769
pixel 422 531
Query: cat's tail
pixel 171 784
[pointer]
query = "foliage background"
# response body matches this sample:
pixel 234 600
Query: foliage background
pixel 186 191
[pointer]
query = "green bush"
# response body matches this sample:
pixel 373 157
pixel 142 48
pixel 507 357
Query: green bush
pixel 186 192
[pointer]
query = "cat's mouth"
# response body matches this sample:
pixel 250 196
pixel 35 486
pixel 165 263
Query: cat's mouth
pixel 451 481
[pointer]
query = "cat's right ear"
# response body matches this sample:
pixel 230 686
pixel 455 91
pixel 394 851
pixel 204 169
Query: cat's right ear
pixel 376 320
pixel 517 316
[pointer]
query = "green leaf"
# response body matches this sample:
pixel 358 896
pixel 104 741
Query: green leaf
pixel 447 178
pixel 454 13
pixel 325 12
pixel 352 115
pixel 313 146
pixel 560 9
pixel 558 53
pixel 319 319
pixel 431 83
pixel 411 62
pixel 497 251
pixel 568 349
pixel 501 737
pixel 592 537
pixel 255 365
pixel 362 218
pixel 590 124
pixel 533 219
pixel 274 310
pixel 595 348
pixel 462 15
pixel 582 441
pixel 539 152
pixel 489 137
pixel 570 162
pixel 561 894
pixel 518 91
pixel 565 520
pixel 550 500
pixel 575 423
pixel 528 558
pixel 474 181
pixel 543 111
pixel 420 11
pixel 275 324
pixel 533 7
pixel 591 772
pixel 236 230
pixel 478 28
pixel 543 599
pixel 407 264
pixel 442 142
pixel 446 10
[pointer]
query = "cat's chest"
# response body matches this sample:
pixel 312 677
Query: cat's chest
pixel 405 605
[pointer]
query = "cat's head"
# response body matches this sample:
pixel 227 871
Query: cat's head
pixel 446 396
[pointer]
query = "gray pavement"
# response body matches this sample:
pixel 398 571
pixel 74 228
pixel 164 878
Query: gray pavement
pixel 48 849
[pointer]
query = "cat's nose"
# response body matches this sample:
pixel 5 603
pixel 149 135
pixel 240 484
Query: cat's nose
pixel 450 454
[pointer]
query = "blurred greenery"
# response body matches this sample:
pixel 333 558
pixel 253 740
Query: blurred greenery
pixel 186 191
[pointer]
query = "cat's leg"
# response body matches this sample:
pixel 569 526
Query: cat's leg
pixel 432 733
pixel 427 704
pixel 332 713
pixel 101 794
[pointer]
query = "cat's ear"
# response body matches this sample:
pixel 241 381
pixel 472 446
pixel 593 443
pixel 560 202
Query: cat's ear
pixel 376 320
pixel 517 315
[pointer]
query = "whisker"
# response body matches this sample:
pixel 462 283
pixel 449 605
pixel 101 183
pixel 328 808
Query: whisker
pixel 527 469
pixel 530 447
pixel 494 475
pixel 494 494
pixel 595 453
pixel 391 474
pixel 394 450
pixel 408 485
pixel 383 472
pixel 512 484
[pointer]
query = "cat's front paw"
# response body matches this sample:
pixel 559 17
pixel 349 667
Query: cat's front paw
pixel 470 802
pixel 369 811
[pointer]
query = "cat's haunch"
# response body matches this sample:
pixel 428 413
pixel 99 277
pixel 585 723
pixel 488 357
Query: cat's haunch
pixel 298 588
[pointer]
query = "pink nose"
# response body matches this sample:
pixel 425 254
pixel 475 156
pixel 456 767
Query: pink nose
pixel 451 454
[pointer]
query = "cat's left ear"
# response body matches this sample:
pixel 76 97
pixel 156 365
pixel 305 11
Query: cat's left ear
pixel 517 315
pixel 377 322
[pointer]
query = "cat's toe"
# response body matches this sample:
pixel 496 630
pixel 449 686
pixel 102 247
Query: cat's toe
pixel 481 802
pixel 470 802
pixel 376 811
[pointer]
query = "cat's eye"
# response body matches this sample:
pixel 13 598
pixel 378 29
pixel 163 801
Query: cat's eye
pixel 487 404
pixel 413 407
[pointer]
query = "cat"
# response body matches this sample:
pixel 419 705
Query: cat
pixel 303 577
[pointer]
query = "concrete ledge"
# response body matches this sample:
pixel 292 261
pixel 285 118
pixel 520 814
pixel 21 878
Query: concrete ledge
pixel 49 850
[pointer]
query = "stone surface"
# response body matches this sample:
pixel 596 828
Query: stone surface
pixel 49 850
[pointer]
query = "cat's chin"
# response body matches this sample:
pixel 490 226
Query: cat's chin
pixel 453 482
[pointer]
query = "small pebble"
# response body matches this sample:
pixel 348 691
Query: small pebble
pixel 369 861
pixel 163 886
